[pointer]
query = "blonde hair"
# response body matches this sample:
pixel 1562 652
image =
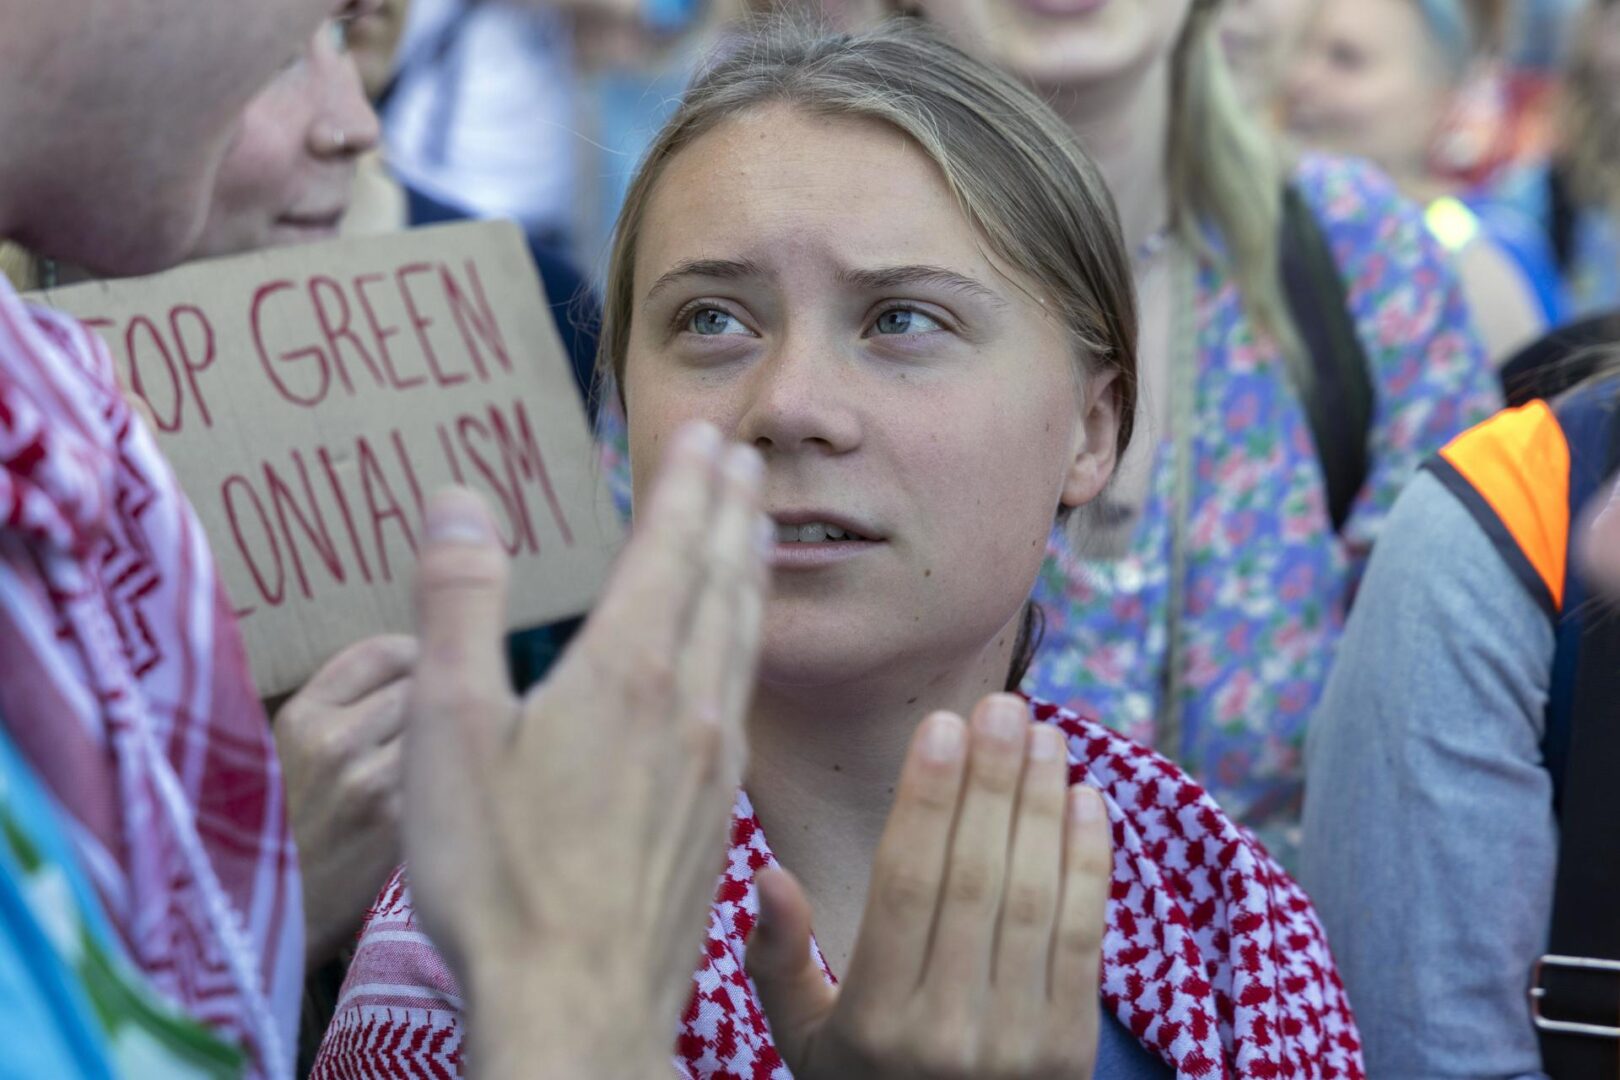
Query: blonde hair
pixel 1013 166
pixel 1226 176
pixel 19 266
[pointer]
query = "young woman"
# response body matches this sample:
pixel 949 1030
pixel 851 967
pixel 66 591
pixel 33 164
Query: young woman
pixel 1199 610
pixel 1381 79
pixel 886 267
pixel 1445 791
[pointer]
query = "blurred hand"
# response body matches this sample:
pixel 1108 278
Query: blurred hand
pixel 564 847
pixel 979 950
pixel 342 756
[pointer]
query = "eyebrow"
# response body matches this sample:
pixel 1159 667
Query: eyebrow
pixel 720 269
pixel 875 280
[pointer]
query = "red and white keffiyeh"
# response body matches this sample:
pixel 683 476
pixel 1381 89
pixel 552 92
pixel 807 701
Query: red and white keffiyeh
pixel 1213 957
pixel 124 682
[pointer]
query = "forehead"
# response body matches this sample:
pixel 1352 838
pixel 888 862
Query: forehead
pixel 782 183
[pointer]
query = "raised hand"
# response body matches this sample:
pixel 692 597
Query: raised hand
pixel 564 848
pixel 341 753
pixel 979 949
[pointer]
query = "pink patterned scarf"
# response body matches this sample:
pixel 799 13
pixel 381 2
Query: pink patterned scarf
pixel 124 682
pixel 1213 957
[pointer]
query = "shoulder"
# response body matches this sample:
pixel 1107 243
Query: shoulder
pixel 1352 198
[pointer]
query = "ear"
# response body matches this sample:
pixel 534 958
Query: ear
pixel 1096 434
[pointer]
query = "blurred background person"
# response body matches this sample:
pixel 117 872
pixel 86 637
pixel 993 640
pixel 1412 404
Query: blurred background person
pixel 1386 80
pixel 1261 40
pixel 1573 193
pixel 1304 347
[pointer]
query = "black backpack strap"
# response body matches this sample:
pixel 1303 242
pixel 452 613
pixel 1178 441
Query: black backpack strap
pixel 1586 899
pixel 1339 399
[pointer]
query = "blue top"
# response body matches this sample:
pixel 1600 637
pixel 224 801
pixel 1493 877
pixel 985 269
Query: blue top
pixel 1430 841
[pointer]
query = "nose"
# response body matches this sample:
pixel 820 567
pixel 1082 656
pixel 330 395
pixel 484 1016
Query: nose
pixel 802 397
pixel 345 126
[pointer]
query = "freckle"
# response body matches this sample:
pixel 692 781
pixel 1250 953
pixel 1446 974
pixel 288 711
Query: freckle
pixel 911 701
pixel 1000 642
pixel 928 572
pixel 1048 426
pixel 916 618
pixel 891 792
pixel 837 767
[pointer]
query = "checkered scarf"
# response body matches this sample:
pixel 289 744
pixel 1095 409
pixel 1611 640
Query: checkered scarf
pixel 1213 957
pixel 124 682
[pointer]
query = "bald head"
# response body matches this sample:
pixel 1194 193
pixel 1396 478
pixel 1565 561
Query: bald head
pixel 115 117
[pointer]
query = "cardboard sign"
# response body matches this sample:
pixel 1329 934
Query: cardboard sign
pixel 311 398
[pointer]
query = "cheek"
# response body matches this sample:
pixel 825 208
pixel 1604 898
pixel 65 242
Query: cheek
pixel 656 406
pixel 261 170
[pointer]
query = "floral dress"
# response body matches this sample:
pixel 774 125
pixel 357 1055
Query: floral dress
pixel 1267 581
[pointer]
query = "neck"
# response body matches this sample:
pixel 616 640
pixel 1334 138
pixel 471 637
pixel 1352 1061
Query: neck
pixel 823 763
pixel 1124 126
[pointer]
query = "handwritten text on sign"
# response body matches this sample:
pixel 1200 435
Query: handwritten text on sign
pixel 311 399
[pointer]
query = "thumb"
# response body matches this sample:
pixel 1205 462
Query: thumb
pixel 461 581
pixel 797 997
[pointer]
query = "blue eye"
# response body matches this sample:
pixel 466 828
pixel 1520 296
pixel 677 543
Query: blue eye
pixel 904 321
pixel 713 322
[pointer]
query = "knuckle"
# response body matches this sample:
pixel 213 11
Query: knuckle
pixel 950 1051
pixel 906 891
pixel 1029 905
pixel 972 882
pixel 459 569
pixel 1080 937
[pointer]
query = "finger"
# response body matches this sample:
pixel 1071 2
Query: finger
pixel 716 668
pixel 796 996
pixel 648 605
pixel 959 962
pixel 1021 974
pixel 380 718
pixel 461 708
pixel 372 785
pixel 362 668
pixel 909 870
pixel 1088 867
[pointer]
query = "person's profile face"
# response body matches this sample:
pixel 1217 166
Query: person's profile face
pixel 812 287
pixel 152 91
pixel 1063 43
pixel 288 175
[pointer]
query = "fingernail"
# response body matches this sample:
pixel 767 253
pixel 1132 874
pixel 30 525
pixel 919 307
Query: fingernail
pixel 1006 718
pixel 1086 805
pixel 458 516
pixel 700 438
pixel 1045 743
pixel 942 742
pixel 745 466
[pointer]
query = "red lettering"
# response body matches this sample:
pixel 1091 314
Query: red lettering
pixel 273 597
pixel 343 506
pixel 522 531
pixel 193 366
pixel 421 323
pixel 374 482
pixel 409 470
pixel 138 382
pixel 479 320
pixel 312 352
pixel 338 330
pixel 313 524
pixel 522 456
pixel 450 456
pixel 382 334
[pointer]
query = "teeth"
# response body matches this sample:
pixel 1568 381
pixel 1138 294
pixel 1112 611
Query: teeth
pixel 816 532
